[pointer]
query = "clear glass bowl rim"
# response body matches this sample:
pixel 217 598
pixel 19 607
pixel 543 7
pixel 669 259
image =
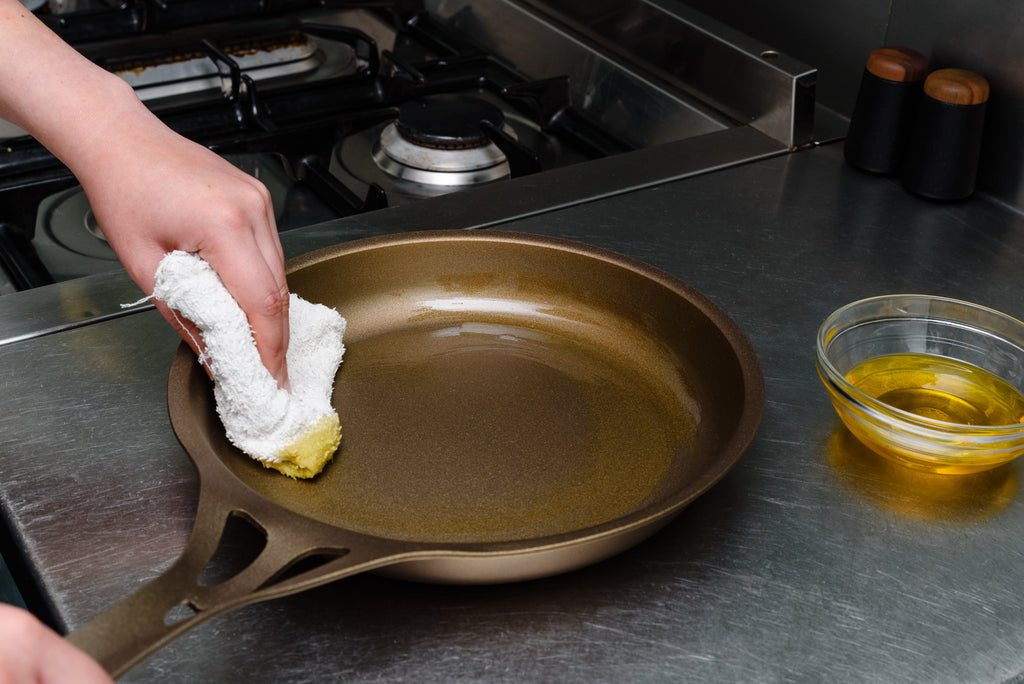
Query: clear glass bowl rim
pixel 891 413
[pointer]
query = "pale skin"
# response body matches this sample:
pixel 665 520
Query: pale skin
pixel 31 652
pixel 152 192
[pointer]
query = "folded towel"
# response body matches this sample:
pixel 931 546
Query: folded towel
pixel 298 432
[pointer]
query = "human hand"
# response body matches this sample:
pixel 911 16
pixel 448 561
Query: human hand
pixel 30 652
pixel 151 190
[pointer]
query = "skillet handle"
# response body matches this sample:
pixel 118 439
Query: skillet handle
pixel 137 626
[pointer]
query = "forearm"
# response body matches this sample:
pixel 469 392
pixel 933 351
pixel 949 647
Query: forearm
pixel 152 190
pixel 61 98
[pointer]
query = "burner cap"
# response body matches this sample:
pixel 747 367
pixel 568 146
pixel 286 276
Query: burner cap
pixel 447 122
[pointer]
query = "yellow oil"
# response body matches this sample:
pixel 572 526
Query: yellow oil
pixel 940 389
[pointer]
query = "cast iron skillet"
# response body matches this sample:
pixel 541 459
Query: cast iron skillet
pixel 513 406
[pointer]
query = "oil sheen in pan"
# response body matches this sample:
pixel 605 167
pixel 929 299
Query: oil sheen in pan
pixel 495 432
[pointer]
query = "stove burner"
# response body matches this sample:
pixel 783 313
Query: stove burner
pixel 438 140
pixel 378 154
pixel 447 122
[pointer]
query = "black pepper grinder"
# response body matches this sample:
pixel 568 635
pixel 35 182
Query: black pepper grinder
pixel 942 158
pixel 886 104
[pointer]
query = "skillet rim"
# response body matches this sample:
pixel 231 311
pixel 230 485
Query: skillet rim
pixel 652 515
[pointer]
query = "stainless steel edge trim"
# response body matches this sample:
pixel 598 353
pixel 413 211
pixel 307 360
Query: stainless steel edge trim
pixel 71 304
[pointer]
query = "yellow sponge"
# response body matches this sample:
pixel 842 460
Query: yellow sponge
pixel 313 449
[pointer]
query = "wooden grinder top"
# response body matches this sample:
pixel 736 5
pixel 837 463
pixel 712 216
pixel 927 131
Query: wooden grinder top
pixel 898 64
pixel 956 86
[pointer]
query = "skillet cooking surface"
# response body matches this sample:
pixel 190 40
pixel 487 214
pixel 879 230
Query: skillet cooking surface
pixel 503 387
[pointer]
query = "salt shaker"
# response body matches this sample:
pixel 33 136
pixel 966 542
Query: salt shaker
pixel 941 160
pixel 886 104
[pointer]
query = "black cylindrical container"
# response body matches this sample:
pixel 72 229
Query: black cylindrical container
pixel 942 158
pixel 886 104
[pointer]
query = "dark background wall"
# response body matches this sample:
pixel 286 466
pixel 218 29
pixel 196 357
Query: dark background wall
pixel 836 36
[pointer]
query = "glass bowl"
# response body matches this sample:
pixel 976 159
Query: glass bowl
pixel 933 383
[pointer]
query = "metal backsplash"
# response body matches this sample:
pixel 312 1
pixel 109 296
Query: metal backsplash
pixel 836 36
pixel 661 71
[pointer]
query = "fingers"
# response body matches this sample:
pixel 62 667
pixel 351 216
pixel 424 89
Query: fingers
pixel 167 193
pixel 31 652
pixel 265 303
pixel 252 269
pixel 274 237
pixel 259 287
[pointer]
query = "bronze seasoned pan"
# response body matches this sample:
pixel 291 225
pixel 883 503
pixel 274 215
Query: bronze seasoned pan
pixel 513 406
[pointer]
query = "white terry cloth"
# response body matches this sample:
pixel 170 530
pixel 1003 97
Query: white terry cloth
pixel 267 423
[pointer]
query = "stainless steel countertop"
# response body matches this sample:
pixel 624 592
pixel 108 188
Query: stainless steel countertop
pixel 811 561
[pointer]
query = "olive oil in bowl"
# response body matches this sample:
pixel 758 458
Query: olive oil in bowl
pixel 972 420
pixel 939 388
pixel 937 412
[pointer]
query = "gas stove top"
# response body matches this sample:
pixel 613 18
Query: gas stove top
pixel 343 108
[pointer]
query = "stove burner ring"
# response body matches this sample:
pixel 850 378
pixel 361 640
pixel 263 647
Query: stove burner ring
pixel 439 140
pixel 406 160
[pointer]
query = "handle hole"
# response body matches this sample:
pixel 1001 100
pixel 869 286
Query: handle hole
pixel 307 563
pixel 241 541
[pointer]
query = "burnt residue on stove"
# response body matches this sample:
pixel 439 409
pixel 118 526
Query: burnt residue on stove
pixel 267 45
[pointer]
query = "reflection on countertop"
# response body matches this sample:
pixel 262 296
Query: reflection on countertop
pixel 904 491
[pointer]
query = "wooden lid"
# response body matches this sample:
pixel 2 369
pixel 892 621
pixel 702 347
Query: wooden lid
pixel 898 64
pixel 956 86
